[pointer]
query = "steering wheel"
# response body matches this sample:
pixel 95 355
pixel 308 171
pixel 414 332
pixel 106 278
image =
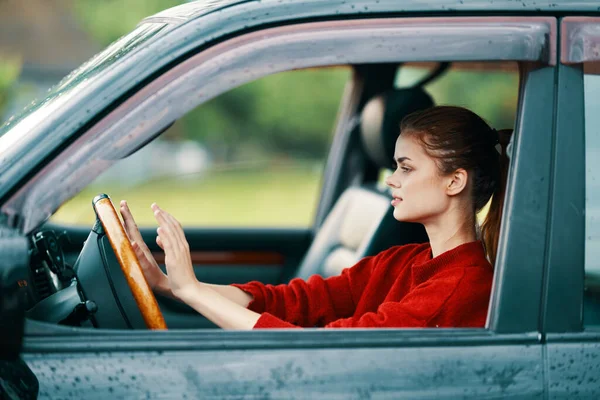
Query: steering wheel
pixel 130 265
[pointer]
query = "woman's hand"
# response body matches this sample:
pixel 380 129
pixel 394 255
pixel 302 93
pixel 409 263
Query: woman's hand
pixel 156 279
pixel 214 303
pixel 171 239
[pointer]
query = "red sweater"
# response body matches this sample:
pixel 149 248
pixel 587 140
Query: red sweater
pixel 400 287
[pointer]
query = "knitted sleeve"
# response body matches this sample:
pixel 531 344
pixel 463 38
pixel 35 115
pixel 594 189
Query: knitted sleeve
pixel 415 310
pixel 314 302
pixel 439 302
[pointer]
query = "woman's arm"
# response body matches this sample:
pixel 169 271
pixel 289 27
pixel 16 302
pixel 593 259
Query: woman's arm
pixel 231 293
pixel 225 313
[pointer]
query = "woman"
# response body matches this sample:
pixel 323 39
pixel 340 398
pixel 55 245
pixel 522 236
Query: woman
pixel 448 163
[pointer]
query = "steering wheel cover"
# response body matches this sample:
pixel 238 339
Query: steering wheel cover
pixel 130 265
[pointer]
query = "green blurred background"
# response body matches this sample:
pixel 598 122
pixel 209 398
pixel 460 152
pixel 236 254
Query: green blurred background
pixel 265 142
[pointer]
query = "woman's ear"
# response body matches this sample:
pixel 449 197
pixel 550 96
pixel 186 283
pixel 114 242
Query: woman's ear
pixel 457 182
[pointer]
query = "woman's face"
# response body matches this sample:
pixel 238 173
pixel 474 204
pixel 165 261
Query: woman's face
pixel 418 189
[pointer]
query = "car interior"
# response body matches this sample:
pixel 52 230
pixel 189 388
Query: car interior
pixel 85 286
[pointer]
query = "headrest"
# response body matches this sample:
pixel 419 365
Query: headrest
pixel 381 117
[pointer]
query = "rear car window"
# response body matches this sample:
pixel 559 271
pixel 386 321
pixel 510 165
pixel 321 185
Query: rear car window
pixel 591 315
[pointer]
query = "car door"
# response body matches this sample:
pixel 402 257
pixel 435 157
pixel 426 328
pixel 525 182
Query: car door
pixel 572 301
pixel 503 359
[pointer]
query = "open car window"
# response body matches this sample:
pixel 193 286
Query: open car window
pixel 591 315
pixel 251 157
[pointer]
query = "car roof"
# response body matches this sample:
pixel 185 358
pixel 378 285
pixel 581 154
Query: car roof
pixel 196 9
pixel 191 10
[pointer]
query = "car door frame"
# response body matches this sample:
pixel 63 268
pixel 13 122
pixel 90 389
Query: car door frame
pixel 571 348
pixel 503 359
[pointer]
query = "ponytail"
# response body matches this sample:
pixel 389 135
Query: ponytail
pixel 490 228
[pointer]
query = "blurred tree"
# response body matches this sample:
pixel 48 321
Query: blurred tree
pixel 307 103
pixel 290 112
pixel 108 20
pixel 10 69
pixel 492 95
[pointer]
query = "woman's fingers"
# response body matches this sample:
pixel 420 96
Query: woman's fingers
pixel 133 231
pixel 139 253
pixel 165 231
pixel 126 214
pixel 166 225
pixel 150 269
pixel 164 238
pixel 141 256
pixel 174 225
pixel 171 238
pixel 130 226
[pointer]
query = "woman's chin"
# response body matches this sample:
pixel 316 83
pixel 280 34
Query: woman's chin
pixel 403 216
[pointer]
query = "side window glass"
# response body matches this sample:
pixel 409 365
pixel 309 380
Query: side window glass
pixel 252 157
pixel 591 312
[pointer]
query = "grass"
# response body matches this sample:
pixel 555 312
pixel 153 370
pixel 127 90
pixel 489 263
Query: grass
pixel 275 197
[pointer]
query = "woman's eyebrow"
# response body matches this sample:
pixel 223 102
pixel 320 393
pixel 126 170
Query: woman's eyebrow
pixel 401 159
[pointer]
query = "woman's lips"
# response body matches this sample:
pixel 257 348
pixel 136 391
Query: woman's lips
pixel 396 201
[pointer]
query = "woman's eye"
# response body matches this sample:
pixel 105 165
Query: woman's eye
pixel 405 169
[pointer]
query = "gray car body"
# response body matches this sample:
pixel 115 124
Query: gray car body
pixel 536 346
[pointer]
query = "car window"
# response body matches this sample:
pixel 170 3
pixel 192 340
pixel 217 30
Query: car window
pixel 591 314
pixel 251 157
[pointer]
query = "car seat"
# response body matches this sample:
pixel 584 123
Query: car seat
pixel 361 222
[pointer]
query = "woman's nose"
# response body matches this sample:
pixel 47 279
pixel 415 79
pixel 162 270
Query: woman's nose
pixel 390 181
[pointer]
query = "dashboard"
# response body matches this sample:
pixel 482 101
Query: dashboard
pixel 49 270
pixel 91 293
pixel 53 292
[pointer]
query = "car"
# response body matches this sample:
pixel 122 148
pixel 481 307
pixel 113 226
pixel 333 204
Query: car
pixel 75 325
